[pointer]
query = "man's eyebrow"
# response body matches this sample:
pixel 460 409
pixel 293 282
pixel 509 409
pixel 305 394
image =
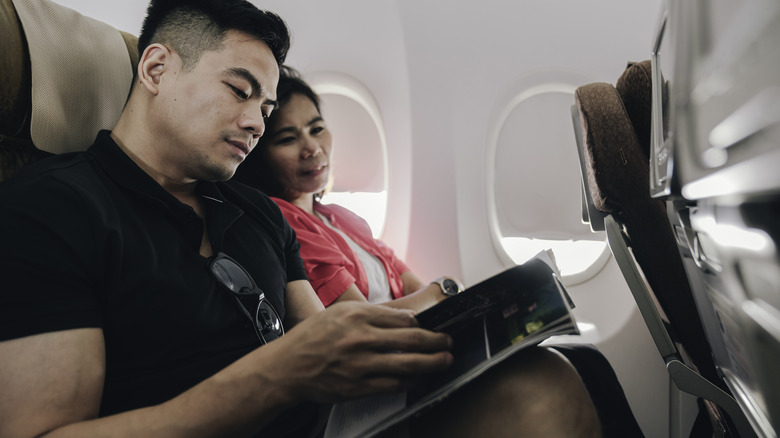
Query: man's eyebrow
pixel 257 88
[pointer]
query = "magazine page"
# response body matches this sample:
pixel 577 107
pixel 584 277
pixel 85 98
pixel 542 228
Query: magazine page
pixel 515 309
pixel 488 322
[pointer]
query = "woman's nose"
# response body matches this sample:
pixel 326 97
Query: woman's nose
pixel 311 147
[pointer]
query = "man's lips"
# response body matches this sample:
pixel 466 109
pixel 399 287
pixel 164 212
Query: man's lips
pixel 240 145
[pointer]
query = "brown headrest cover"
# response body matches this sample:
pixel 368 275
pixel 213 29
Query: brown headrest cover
pixel 635 89
pixel 610 147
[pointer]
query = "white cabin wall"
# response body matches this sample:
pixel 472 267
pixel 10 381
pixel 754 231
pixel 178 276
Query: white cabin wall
pixel 462 59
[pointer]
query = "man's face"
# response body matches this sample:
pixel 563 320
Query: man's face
pixel 211 117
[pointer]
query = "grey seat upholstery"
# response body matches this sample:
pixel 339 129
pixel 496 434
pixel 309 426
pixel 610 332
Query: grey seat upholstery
pixel 715 155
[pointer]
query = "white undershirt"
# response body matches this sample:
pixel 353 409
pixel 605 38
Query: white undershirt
pixel 378 283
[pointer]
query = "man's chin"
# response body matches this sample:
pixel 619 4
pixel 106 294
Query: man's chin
pixel 216 174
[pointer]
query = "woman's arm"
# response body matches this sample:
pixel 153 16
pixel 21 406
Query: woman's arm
pixel 417 301
pixel 411 283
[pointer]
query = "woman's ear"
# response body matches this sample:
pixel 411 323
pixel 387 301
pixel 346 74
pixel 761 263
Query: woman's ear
pixel 155 60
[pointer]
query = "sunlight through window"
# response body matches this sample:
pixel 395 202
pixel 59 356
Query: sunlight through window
pixel 371 206
pixel 571 256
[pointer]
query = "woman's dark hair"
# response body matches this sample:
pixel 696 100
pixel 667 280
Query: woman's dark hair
pixel 255 171
pixel 192 27
pixel 290 83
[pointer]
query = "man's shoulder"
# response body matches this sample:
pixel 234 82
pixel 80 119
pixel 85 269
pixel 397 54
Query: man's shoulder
pixel 65 170
pixel 241 192
pixel 62 192
pixel 250 199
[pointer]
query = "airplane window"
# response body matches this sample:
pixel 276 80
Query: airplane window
pixel 359 160
pixel 536 208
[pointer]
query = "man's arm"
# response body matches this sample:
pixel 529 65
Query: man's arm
pixel 300 302
pixel 50 380
pixel 53 382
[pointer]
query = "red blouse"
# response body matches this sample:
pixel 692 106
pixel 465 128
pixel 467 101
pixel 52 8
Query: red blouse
pixel 330 263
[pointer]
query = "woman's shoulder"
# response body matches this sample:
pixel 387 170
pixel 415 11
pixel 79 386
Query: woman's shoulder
pixel 342 216
pixel 337 210
pixel 297 217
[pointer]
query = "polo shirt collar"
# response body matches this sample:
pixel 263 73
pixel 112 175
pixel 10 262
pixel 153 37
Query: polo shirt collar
pixel 127 174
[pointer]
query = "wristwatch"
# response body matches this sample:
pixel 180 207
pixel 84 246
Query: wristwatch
pixel 449 286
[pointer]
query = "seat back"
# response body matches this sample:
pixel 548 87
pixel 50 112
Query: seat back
pixel 615 134
pixel 716 140
pixel 65 77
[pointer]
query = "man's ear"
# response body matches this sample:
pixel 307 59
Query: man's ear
pixel 154 61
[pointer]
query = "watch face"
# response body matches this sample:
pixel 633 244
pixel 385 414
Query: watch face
pixel 449 286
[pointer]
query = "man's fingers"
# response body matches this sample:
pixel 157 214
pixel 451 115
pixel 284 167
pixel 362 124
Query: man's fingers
pixel 376 315
pixel 411 340
pixel 399 364
pixel 414 364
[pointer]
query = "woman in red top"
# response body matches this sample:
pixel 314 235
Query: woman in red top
pixel 343 260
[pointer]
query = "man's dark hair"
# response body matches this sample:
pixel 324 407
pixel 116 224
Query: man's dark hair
pixel 191 27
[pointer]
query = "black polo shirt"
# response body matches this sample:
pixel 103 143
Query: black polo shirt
pixel 90 240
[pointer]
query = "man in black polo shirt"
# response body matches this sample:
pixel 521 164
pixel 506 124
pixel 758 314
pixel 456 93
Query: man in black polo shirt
pixel 123 311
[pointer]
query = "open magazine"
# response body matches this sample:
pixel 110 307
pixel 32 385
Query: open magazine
pixel 488 322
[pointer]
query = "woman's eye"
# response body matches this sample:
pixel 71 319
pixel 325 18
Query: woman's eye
pixel 286 140
pixel 317 129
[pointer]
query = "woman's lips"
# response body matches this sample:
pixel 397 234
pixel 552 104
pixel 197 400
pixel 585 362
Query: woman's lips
pixel 316 170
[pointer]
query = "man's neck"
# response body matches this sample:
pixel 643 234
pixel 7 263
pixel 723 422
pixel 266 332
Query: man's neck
pixel 183 189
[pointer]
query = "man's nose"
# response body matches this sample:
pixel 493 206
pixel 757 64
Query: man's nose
pixel 252 121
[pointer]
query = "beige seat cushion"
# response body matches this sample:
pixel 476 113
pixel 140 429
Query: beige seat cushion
pixel 65 76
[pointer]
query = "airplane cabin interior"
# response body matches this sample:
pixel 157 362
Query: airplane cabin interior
pixel 639 141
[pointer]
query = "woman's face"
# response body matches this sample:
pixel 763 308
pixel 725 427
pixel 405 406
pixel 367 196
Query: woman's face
pixel 297 148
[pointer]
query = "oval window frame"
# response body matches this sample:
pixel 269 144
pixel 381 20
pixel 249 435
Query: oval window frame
pixel 536 88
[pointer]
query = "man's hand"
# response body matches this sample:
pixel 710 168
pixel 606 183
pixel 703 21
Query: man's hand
pixel 353 349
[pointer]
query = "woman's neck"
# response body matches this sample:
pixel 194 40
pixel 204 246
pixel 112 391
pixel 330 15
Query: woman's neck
pixel 305 202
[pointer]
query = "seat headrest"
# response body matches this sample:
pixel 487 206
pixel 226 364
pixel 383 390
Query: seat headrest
pixel 65 77
pixel 618 178
pixel 636 89
pixel 611 148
